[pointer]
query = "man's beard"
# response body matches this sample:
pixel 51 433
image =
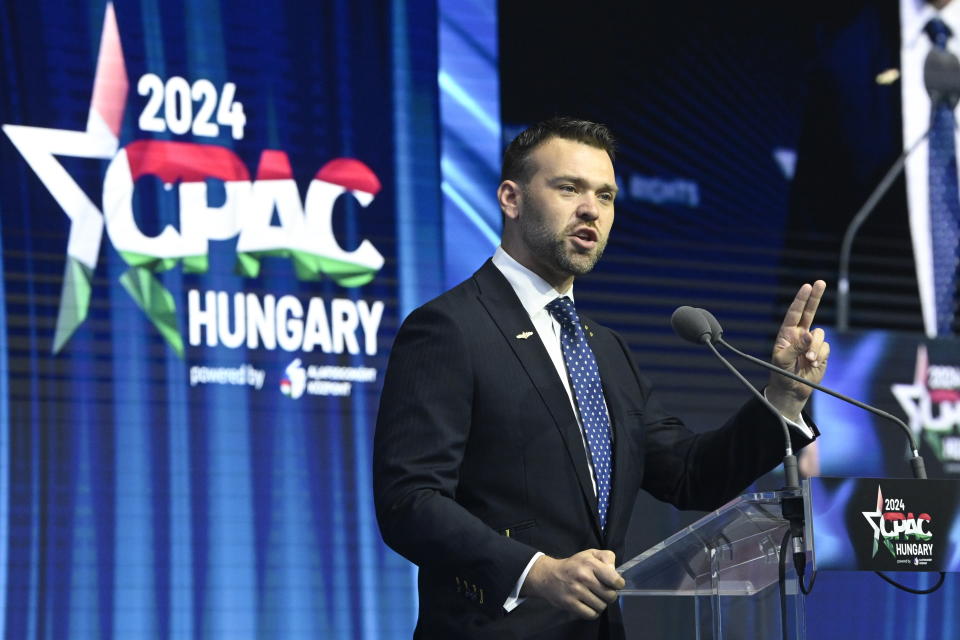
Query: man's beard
pixel 553 250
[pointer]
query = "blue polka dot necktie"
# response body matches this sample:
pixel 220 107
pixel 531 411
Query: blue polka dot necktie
pixel 944 195
pixel 588 392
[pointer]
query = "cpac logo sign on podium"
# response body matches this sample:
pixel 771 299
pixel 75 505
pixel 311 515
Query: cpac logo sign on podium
pixel 304 235
pixel 905 536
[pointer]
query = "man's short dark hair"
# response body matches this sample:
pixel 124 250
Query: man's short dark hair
pixel 515 159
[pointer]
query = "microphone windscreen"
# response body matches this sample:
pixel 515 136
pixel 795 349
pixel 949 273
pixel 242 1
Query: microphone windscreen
pixel 690 324
pixel 941 76
pixel 716 331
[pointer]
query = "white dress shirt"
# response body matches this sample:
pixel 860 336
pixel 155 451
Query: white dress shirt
pixel 535 294
pixel 914 47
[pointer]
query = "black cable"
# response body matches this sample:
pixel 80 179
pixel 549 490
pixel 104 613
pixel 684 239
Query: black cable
pixel 919 592
pixel 782 572
pixel 807 589
pixel 800 565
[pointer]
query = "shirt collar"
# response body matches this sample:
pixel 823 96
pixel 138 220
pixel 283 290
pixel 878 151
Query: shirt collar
pixel 534 292
pixel 915 14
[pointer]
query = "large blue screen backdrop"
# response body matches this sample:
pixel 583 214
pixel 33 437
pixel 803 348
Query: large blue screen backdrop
pixel 214 216
pixel 204 210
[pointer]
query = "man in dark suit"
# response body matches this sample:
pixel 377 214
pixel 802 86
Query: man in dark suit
pixel 514 432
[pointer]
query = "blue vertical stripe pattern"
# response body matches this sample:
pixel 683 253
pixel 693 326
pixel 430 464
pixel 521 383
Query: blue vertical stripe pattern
pixel 468 80
pixel 5 470
pixel 416 145
pixel 137 502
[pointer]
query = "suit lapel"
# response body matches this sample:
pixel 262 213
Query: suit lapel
pixel 500 301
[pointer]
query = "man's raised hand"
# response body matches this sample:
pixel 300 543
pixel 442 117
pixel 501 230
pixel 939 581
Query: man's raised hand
pixel 800 350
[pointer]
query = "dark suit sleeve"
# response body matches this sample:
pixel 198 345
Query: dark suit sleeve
pixel 705 470
pixel 423 429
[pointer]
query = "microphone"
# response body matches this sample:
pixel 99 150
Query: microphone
pixel 693 326
pixel 941 76
pixel 716 336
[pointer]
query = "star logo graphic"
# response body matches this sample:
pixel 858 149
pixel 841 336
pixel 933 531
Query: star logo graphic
pixel 40 147
pixel 892 523
pixel 874 519
pixel 932 405
pixel 246 210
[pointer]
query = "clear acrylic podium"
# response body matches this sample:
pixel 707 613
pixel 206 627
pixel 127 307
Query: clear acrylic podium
pixel 728 564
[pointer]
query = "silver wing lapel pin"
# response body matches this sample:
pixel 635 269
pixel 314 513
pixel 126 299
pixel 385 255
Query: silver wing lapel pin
pixel 524 335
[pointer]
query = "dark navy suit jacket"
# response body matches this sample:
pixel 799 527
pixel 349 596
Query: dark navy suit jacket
pixel 479 461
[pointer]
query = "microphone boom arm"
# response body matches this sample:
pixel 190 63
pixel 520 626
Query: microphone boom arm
pixel 916 462
pixel 791 471
pixel 846 248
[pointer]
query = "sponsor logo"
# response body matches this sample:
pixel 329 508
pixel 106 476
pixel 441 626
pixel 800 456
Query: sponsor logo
pixel 294 380
pixel 905 536
pixel 932 405
pixel 323 380
pixel 217 200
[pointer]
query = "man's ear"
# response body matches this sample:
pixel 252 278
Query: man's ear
pixel 509 196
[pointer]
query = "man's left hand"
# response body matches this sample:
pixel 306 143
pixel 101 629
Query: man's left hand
pixel 800 350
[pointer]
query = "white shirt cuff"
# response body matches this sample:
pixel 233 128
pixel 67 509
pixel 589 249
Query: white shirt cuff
pixel 800 426
pixel 514 599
